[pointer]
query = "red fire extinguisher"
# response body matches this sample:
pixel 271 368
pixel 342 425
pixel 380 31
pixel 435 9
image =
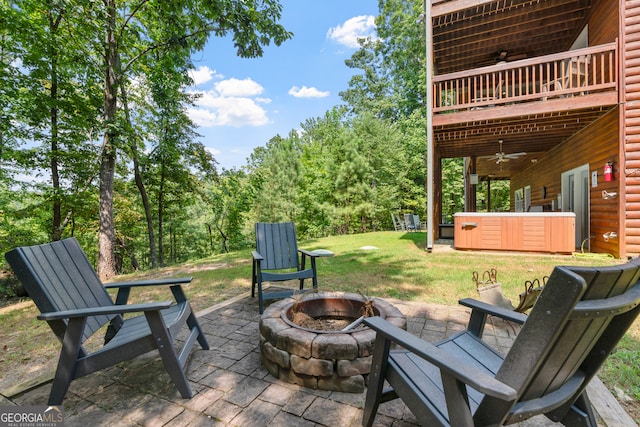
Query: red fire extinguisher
pixel 608 172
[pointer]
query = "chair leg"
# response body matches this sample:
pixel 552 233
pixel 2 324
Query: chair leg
pixel 67 362
pixel 260 299
pixel 193 323
pixel 314 279
pixel 580 414
pixel 376 380
pixel 253 280
pixel 167 352
pixel 302 267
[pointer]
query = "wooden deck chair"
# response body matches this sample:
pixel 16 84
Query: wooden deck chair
pixel 579 318
pixel 276 259
pixel 67 291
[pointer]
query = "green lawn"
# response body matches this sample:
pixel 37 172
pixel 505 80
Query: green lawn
pixel 399 267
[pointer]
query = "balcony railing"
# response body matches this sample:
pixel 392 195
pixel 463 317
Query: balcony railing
pixel 573 73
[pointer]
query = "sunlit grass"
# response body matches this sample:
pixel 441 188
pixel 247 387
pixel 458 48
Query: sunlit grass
pixel 622 368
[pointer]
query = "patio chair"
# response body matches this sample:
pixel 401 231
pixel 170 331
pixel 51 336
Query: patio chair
pixel 276 259
pixel 579 318
pixel 72 300
pixel 398 223
pixel 416 222
pixel 410 221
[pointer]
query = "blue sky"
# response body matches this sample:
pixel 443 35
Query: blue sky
pixel 246 102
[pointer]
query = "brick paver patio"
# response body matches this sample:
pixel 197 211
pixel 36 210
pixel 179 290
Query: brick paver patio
pixel 231 388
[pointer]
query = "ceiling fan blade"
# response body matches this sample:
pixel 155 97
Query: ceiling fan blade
pixel 515 155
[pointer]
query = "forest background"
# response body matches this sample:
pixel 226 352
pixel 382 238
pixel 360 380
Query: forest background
pixel 95 141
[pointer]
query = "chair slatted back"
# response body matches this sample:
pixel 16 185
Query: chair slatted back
pixel 276 242
pixel 572 328
pixel 582 334
pixel 57 276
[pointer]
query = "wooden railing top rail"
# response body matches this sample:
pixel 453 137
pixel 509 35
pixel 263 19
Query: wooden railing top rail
pixel 574 73
pixel 527 62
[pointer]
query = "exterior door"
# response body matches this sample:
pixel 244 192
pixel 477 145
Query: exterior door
pixel 575 198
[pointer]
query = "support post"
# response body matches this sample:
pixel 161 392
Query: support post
pixel 429 120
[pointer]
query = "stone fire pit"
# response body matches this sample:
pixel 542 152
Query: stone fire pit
pixel 327 360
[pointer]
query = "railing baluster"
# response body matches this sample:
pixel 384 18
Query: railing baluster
pixel 582 71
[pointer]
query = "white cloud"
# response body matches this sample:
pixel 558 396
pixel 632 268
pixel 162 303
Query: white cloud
pixel 218 110
pixel 235 87
pixel 213 151
pixel 307 92
pixel 201 117
pixel 231 102
pixel 357 27
pixel 203 75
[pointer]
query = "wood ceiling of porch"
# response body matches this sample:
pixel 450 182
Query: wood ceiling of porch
pixel 534 134
pixel 475 36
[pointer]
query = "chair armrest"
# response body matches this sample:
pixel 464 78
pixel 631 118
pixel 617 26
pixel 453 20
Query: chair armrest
pixel 445 361
pixel 112 309
pixel 481 310
pixel 308 253
pixel 152 282
pixel 256 256
pixel 494 310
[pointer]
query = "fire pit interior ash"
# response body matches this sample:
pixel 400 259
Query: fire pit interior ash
pixel 330 314
pixel 319 340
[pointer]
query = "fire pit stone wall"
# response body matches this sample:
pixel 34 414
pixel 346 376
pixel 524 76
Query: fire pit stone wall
pixel 336 361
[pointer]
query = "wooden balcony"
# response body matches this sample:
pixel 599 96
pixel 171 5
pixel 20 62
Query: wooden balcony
pixel 590 73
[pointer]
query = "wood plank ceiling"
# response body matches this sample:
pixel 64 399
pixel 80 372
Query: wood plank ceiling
pixel 475 37
pixel 520 29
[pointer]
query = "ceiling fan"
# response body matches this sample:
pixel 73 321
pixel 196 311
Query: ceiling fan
pixel 501 156
pixel 503 55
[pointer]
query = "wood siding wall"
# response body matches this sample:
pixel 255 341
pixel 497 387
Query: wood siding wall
pixel 603 14
pixel 594 145
pixel 631 124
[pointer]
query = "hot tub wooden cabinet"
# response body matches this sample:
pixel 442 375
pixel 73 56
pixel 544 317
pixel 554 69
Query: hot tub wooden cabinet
pixel 552 232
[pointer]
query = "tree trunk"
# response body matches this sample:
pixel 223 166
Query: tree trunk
pixel 140 184
pixel 160 218
pixel 147 207
pixel 225 243
pixel 56 230
pixel 56 226
pixel 106 260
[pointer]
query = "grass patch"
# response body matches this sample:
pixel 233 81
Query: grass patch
pixel 622 368
pixel 399 268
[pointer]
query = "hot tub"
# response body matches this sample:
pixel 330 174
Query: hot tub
pixel 552 232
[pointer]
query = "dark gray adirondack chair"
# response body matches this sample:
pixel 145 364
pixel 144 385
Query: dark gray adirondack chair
pixel 577 321
pixel 276 259
pixel 65 288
